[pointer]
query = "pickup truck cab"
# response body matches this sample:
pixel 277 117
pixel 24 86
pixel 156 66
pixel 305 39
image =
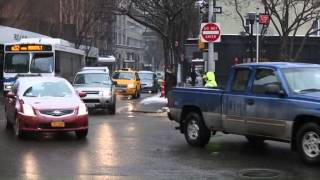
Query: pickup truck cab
pixel 262 101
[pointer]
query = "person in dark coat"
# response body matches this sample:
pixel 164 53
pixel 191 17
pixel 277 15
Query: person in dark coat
pixel 193 76
pixel 171 80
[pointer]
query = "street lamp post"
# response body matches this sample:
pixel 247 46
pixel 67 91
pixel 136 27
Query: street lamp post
pixel 252 19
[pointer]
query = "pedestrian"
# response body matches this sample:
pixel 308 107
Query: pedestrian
pixel 204 78
pixel 171 80
pixel 211 80
pixel 193 76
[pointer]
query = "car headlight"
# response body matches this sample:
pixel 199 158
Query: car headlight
pixel 130 85
pixel 82 110
pixel 27 110
pixel 106 93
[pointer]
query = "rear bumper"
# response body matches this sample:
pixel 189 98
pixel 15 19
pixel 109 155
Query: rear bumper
pixel 174 114
pixel 43 124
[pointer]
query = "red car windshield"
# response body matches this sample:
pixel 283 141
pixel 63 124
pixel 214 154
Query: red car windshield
pixel 48 89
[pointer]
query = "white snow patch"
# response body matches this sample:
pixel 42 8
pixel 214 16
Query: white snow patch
pixel 156 99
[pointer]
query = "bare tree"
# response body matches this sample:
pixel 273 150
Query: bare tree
pixel 166 17
pixel 85 16
pixel 290 17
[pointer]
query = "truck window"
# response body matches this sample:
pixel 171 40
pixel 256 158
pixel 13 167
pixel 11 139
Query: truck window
pixel 263 78
pixel 241 80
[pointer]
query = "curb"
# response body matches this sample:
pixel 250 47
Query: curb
pixel 162 110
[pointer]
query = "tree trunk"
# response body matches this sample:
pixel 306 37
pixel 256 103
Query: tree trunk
pixel 283 54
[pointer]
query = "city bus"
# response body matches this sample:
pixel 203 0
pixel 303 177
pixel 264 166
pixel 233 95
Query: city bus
pixel 41 57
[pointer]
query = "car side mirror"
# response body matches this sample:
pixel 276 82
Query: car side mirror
pixel 275 89
pixel 10 95
pixel 82 94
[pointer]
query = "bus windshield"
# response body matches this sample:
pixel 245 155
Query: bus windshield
pixel 42 63
pixel 16 63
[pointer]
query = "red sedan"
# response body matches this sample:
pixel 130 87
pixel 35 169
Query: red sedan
pixel 45 104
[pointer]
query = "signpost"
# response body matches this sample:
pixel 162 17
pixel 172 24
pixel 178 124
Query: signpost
pixel 210 32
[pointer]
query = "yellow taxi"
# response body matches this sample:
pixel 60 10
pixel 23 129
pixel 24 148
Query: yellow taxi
pixel 128 82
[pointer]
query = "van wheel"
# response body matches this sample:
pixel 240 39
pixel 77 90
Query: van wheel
pixel 195 132
pixel 308 143
pixel 112 109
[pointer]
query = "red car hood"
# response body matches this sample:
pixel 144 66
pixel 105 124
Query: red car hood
pixel 53 102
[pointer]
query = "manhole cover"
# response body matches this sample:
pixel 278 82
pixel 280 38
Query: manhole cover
pixel 260 174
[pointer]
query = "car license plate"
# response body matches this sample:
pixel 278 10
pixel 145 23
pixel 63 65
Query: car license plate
pixel 57 124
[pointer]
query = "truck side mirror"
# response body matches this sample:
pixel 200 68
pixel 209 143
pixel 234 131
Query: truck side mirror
pixel 274 89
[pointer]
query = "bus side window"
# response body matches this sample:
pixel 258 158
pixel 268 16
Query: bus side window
pixel 57 69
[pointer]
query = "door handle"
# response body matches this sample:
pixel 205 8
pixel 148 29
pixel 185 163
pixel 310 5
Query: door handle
pixel 250 102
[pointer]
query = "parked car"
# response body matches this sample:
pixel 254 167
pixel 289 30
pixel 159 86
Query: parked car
pixel 99 87
pixel 149 81
pixel 45 104
pixel 128 82
pixel 262 101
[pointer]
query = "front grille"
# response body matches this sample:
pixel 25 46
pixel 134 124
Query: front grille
pixel 56 112
pixel 121 85
pixel 91 92
pixel 91 100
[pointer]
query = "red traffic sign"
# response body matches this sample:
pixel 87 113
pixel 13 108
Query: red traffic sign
pixel 264 19
pixel 210 32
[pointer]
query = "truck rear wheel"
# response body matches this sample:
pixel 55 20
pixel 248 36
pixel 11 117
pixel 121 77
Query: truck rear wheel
pixel 195 131
pixel 308 143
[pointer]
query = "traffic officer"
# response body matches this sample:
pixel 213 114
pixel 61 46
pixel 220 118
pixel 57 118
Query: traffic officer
pixel 211 80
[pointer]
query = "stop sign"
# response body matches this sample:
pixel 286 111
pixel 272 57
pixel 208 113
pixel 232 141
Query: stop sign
pixel 210 32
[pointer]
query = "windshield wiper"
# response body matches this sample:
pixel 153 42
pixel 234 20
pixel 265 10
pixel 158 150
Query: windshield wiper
pixel 310 90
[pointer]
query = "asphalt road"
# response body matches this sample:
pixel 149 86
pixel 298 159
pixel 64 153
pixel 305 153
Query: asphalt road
pixel 132 145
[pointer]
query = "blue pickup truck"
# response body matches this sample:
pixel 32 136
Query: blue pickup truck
pixel 262 101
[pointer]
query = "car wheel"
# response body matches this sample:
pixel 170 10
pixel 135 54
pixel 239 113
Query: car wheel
pixel 112 109
pixel 82 134
pixel 139 94
pixel 255 140
pixel 135 94
pixel 308 143
pixel 17 131
pixel 8 123
pixel 195 131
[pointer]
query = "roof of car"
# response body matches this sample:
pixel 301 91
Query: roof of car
pixel 146 72
pixel 92 72
pixel 277 65
pixel 88 68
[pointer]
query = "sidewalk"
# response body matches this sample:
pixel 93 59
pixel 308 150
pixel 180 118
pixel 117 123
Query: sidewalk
pixel 153 104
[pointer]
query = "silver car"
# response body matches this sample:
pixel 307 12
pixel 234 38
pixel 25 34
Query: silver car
pixel 99 87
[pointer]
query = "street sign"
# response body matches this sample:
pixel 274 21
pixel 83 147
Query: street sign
pixel 217 10
pixel 264 19
pixel 210 32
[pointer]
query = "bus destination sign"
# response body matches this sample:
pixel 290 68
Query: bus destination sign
pixel 28 47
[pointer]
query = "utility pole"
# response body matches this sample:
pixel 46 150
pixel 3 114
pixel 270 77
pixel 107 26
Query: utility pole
pixel 211 18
